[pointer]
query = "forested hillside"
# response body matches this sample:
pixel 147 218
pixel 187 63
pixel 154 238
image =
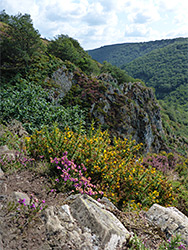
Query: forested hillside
pixel 121 54
pixel 162 65
pixel 166 70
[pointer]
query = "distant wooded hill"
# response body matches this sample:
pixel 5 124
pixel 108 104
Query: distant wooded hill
pixel 162 65
pixel 121 54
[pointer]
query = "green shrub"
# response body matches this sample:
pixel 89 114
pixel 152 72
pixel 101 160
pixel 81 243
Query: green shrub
pixel 31 105
pixel 123 180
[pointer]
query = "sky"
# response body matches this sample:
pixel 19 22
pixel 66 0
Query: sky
pixel 95 23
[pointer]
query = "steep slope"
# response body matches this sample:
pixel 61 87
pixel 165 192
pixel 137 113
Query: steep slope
pixel 164 69
pixel 127 110
pixel 112 99
pixel 121 54
pixel 162 65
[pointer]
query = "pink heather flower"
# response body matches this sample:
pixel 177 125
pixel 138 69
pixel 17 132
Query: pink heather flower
pixel 32 206
pixel 181 246
pixel 43 201
pixel 58 167
pixel 57 180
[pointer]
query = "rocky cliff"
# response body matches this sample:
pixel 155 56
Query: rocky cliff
pixel 126 110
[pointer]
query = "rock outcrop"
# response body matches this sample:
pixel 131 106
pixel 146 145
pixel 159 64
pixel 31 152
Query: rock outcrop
pixel 127 110
pixel 84 223
pixel 62 80
pixel 170 220
pixel 132 110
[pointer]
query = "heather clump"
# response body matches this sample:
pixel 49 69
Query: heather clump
pixel 23 213
pixel 72 177
pixel 114 166
pixel 15 161
pixel 163 161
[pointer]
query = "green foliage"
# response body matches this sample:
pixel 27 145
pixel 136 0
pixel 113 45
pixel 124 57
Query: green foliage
pixel 63 48
pixel 175 243
pixel 18 42
pixel 4 17
pixel 122 54
pixel 116 72
pixel 69 49
pixel 42 67
pixel 8 138
pixel 31 105
pixel 165 69
pixel 113 167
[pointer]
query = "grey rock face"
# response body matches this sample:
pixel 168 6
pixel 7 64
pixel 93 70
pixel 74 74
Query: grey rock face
pixel 170 220
pixel 1 173
pixel 131 109
pixel 5 152
pixel 85 224
pixel 61 78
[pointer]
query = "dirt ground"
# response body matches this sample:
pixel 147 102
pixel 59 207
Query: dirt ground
pixel 34 236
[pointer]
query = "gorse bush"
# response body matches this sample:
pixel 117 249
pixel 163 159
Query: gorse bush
pixel 31 105
pixel 175 167
pixel 113 165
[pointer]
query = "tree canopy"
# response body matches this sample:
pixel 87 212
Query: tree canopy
pixel 19 41
pixel 69 49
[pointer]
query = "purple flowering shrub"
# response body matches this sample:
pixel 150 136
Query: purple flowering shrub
pixel 24 212
pixel 174 243
pixel 162 162
pixel 71 176
pixel 19 160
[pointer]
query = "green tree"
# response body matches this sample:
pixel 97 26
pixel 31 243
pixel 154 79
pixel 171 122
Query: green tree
pixel 4 17
pixel 63 48
pixel 19 41
pixel 67 48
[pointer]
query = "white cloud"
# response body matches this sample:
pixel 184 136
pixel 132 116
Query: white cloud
pixel 95 23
